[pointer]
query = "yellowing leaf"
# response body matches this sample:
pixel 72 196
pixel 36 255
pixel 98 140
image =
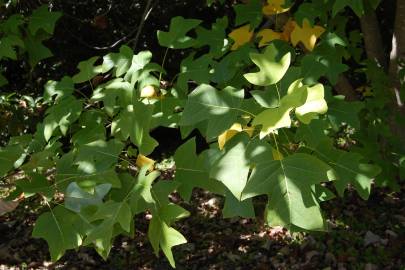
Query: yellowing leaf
pixel 274 7
pixel 268 35
pixel 365 91
pixel 148 91
pixel 276 154
pixel 241 36
pixel 314 104
pixel 306 34
pixel 232 131
pixel 141 161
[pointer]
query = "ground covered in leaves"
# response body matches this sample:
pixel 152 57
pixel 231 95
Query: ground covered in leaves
pixel 363 235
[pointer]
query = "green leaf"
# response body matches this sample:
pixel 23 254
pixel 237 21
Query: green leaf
pixel 196 70
pixel 273 64
pixel 60 89
pixel 231 65
pixel 215 37
pixel 251 13
pixel 343 112
pixel 76 197
pixel 119 61
pixel 313 133
pixel 8 157
pixel 138 62
pixel 288 183
pixel 98 155
pixel 314 104
pixel 35 49
pixel 110 214
pixel 166 112
pixel 165 237
pixel 232 168
pixel 41 18
pixel 62 115
pixel 36 183
pixel 355 5
pixel 233 207
pixel 190 170
pixel 349 168
pixel 57 227
pixel 7 46
pixel 67 171
pixel 134 121
pixel 3 80
pixel 220 108
pixel 12 24
pixel 114 94
pixel 176 38
pixel 308 102
pixel 87 70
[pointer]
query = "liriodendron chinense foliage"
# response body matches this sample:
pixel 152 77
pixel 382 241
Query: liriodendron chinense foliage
pixel 258 88
pixel 21 37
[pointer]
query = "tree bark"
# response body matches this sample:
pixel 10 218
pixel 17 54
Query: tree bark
pixel 372 38
pixel 398 50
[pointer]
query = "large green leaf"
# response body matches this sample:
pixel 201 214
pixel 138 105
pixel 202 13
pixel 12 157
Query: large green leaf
pixel 43 19
pixel 62 115
pixel 76 197
pixel 220 108
pixel 355 5
pixel 196 70
pixel 191 171
pixel 273 64
pixel 120 61
pixel 8 157
pixel 232 168
pixel 58 228
pixel 344 112
pixel 7 46
pixel 134 122
pixel 176 38
pixel 87 70
pixel 110 214
pixel 35 48
pixel 307 102
pixel 36 184
pixel 60 89
pixel 215 38
pixel 165 237
pixel 288 183
pixel 251 13
pixel 350 168
pixel 114 94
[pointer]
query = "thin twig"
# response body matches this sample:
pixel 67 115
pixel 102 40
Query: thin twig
pixel 145 15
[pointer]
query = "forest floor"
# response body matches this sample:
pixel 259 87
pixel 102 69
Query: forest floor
pixel 362 235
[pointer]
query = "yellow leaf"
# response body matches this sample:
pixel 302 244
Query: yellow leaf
pixel 365 91
pixel 228 134
pixel 141 161
pixel 232 131
pixel 287 30
pixel 274 7
pixel 276 154
pixel 241 36
pixel 306 34
pixel 268 35
pixel 148 91
pixel 249 130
